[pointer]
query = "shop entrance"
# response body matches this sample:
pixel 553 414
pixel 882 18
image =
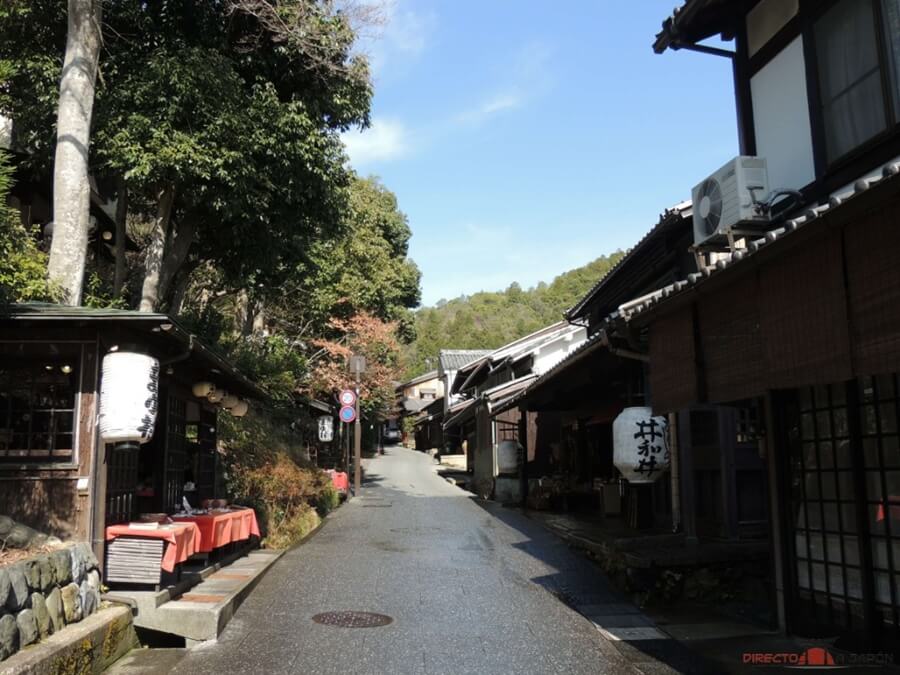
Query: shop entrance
pixel 843 520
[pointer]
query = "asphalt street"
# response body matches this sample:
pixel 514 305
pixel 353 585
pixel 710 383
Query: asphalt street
pixel 471 588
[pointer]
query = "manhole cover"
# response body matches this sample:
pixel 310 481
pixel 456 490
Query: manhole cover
pixel 352 619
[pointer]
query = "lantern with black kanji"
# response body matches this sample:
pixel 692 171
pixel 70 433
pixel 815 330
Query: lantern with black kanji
pixel 640 445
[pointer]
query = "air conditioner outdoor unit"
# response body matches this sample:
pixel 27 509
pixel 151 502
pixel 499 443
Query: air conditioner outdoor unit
pixel 730 201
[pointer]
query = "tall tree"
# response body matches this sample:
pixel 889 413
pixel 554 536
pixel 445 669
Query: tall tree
pixel 222 122
pixel 364 268
pixel 361 335
pixel 71 184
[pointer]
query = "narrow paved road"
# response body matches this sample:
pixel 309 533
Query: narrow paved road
pixel 471 588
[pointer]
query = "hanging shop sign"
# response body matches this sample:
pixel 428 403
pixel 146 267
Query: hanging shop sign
pixel 347 414
pixel 641 445
pixel 129 397
pixel 326 428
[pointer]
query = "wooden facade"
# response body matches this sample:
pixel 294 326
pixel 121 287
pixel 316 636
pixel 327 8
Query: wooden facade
pixel 814 308
pixel 55 473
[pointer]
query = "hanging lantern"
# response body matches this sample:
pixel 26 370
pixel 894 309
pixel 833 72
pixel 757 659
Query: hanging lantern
pixel 129 397
pixel 326 428
pixel 216 395
pixel 229 401
pixel 640 445
pixel 202 389
pixel 240 409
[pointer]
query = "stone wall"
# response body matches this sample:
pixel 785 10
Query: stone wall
pixel 41 595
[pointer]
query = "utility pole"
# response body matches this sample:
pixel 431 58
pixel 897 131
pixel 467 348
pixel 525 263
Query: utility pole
pixel 357 367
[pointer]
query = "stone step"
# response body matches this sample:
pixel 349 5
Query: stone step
pixel 201 612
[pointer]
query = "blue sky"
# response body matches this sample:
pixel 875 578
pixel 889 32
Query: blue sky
pixel 526 138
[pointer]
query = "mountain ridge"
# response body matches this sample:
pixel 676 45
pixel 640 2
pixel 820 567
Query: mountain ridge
pixel 490 319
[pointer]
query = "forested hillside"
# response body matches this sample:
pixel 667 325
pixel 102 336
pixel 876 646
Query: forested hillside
pixel 490 320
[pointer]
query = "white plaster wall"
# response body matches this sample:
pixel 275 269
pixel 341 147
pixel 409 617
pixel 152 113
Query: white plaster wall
pixel 781 119
pixel 550 354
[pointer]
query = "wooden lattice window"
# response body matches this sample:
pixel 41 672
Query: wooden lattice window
pixel 176 452
pixel 38 403
pixel 121 479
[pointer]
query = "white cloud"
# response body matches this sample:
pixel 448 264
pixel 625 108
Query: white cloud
pixel 526 76
pixel 491 106
pixel 384 141
pixel 502 102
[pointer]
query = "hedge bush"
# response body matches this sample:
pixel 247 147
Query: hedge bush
pixel 263 471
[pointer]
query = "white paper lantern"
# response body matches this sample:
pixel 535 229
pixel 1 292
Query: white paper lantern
pixel 202 389
pixel 216 395
pixel 240 409
pixel 229 401
pixel 326 428
pixel 129 397
pixel 640 445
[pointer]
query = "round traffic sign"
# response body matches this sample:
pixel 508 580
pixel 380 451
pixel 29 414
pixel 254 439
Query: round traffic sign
pixel 347 414
pixel 347 397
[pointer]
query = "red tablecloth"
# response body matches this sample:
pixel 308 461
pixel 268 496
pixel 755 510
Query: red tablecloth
pixel 219 529
pixel 182 540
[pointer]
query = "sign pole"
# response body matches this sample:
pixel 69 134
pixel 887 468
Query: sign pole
pixel 357 367
pixel 357 443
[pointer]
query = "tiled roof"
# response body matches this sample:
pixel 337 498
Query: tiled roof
pixel 666 218
pixel 430 375
pixel 588 346
pixel 413 405
pixel 686 24
pixel 459 412
pixel 47 310
pixel 163 325
pixel 454 359
pixel 637 307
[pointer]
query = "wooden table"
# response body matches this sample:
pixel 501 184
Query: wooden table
pixel 220 528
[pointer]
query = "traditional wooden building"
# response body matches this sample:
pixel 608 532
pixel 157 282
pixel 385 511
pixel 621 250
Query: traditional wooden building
pixel 798 327
pixel 56 473
pixel 716 488
pixel 489 382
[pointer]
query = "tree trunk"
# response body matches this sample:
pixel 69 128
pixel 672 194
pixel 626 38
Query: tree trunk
pixel 156 250
pixel 179 291
pixel 242 314
pixel 121 235
pixel 71 186
pixel 258 325
pixel 181 236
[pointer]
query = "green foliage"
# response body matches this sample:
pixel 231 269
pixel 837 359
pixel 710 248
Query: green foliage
pixel 491 320
pixel 362 269
pixel 265 470
pixel 328 501
pixel 241 115
pixel 23 271
pixel 270 361
pixel 97 292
